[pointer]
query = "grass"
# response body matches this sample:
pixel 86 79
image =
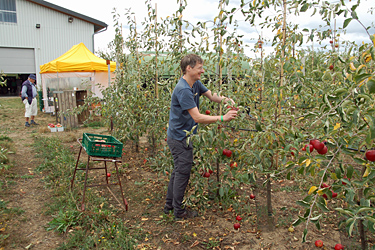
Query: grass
pixel 7 214
pixel 5 138
pixel 211 243
pixel 94 124
pixel 98 226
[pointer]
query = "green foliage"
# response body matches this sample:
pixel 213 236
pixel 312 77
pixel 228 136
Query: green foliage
pixel 64 220
pixel 285 99
pixel 2 82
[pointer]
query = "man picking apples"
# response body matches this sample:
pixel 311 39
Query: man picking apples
pixel 184 115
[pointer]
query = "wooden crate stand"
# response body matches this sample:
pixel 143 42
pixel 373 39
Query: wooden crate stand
pixel 68 100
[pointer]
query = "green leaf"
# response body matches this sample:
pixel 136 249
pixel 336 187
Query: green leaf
pixel 317 224
pixel 346 22
pixel 303 203
pixel 355 116
pixel 297 222
pixel 304 7
pixel 371 86
pixel 359 161
pixel 221 191
pixel 365 209
pixel 372 131
pixel 257 126
pixel 322 207
pixel 354 15
pixel 349 226
pixel 369 218
pixel 340 91
pixel 316 218
pixel 308 198
pixel 304 235
pixel 344 211
pixel 361 77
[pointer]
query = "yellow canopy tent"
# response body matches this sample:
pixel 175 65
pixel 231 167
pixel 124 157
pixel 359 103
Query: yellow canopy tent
pixel 77 59
pixel 77 69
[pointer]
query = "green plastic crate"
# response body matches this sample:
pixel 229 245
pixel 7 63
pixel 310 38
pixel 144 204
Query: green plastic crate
pixel 101 145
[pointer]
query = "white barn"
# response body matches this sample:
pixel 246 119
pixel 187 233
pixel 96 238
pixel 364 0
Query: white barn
pixel 34 32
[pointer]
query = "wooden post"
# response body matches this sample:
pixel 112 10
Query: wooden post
pixel 220 83
pixel 180 33
pixel 156 52
pixel 261 68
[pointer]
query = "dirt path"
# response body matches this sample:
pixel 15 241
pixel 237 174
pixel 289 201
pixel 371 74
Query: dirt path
pixel 24 189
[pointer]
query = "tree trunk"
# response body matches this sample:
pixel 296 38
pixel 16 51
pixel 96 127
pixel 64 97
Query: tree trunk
pixel 269 204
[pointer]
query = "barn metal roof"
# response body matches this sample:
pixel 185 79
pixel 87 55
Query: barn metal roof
pixel 98 25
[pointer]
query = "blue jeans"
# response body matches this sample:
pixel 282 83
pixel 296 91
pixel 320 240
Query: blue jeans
pixel 183 160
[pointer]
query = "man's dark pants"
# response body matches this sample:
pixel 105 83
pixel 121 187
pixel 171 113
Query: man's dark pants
pixel 183 160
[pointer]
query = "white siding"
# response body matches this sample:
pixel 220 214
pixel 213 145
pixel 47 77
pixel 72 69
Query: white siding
pixel 54 37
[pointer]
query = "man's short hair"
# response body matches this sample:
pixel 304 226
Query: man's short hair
pixel 190 60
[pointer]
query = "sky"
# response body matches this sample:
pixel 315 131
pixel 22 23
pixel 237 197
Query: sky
pixel 206 10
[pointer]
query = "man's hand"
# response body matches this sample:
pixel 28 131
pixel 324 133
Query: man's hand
pixel 230 115
pixel 227 100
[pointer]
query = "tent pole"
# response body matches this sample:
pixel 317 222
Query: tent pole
pixel 109 72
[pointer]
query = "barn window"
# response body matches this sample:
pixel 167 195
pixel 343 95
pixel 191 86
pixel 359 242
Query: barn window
pixel 8 11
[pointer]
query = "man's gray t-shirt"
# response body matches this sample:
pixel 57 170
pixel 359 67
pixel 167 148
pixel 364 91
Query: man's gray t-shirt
pixel 184 97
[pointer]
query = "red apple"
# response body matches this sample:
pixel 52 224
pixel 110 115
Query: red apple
pixel 323 151
pixel 108 174
pixel 208 112
pixel 206 174
pixel 313 141
pixel 238 218
pixel 325 185
pixel 210 171
pixel 331 67
pixel 311 147
pixel 236 226
pixel 319 243
pixel 319 145
pixel 233 164
pixel 325 196
pixel 336 45
pixel 331 42
pixel 334 195
pixel 339 247
pixel 370 155
pixel 252 196
pixel 292 153
pixel 227 152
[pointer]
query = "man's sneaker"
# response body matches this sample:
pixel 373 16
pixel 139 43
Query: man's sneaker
pixel 186 215
pixel 27 124
pixel 167 209
pixel 34 123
